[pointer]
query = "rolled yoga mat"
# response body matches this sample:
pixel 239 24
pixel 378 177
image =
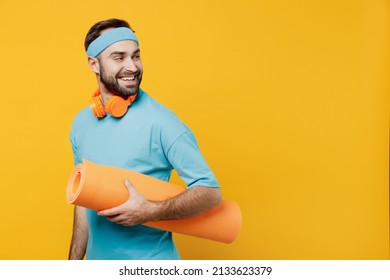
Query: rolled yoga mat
pixel 100 187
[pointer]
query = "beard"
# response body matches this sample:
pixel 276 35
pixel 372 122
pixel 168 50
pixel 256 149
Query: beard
pixel 112 85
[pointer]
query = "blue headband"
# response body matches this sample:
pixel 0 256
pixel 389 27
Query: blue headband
pixel 108 38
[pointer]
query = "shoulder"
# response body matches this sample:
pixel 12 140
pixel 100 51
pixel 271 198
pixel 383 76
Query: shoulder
pixel 156 108
pixel 82 119
pixel 84 114
pixel 161 114
pixel 170 127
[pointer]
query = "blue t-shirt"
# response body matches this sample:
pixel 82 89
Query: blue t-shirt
pixel 149 139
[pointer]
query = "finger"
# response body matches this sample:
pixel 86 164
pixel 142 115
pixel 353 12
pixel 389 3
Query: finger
pixel 115 219
pixel 120 220
pixel 115 211
pixel 129 185
pixel 118 209
pixel 131 189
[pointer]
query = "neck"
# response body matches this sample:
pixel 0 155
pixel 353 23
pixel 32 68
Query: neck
pixel 105 94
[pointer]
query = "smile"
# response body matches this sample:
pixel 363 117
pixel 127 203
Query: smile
pixel 128 78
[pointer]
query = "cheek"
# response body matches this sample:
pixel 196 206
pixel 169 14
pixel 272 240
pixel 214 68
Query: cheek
pixel 139 65
pixel 110 69
pixel 113 73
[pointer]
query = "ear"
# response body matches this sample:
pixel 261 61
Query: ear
pixel 94 64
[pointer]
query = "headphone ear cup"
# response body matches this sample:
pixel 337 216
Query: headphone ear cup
pixel 97 107
pixel 117 106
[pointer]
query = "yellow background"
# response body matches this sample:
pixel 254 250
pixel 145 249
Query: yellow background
pixel 288 100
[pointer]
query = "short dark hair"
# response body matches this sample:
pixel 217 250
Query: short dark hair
pixel 98 27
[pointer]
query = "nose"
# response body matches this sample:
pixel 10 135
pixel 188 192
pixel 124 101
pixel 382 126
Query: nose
pixel 130 65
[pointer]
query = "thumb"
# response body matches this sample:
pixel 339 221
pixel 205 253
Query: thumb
pixel 133 193
pixel 129 185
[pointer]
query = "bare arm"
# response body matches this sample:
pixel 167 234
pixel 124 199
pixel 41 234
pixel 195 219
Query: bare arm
pixel 138 210
pixel 80 234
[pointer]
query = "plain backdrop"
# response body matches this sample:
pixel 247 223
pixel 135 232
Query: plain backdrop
pixel 288 101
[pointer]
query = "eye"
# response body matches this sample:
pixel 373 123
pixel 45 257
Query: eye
pixel 137 56
pixel 118 58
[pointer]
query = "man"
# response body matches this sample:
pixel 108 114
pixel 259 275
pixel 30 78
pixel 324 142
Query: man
pixel 125 127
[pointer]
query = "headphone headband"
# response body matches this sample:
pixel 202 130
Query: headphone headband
pixel 116 106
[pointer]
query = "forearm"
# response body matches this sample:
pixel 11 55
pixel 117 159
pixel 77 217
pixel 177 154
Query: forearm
pixel 80 234
pixel 138 210
pixel 190 203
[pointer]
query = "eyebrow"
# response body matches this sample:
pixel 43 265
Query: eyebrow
pixel 123 53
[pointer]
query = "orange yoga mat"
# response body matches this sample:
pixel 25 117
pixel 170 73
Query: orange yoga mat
pixel 100 187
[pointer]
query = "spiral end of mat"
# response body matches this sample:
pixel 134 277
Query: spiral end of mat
pixel 74 184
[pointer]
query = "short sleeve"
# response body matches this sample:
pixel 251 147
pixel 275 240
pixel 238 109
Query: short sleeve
pixel 76 157
pixel 185 157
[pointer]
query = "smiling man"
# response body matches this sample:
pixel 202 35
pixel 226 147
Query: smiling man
pixel 127 128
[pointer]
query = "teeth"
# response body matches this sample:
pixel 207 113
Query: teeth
pixel 130 78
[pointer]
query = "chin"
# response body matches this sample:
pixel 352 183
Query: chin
pixel 127 93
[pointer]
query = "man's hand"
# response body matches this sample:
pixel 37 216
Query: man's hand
pixel 136 210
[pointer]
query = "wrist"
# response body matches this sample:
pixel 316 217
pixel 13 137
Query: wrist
pixel 154 210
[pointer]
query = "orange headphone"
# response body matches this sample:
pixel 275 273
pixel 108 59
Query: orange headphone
pixel 116 106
